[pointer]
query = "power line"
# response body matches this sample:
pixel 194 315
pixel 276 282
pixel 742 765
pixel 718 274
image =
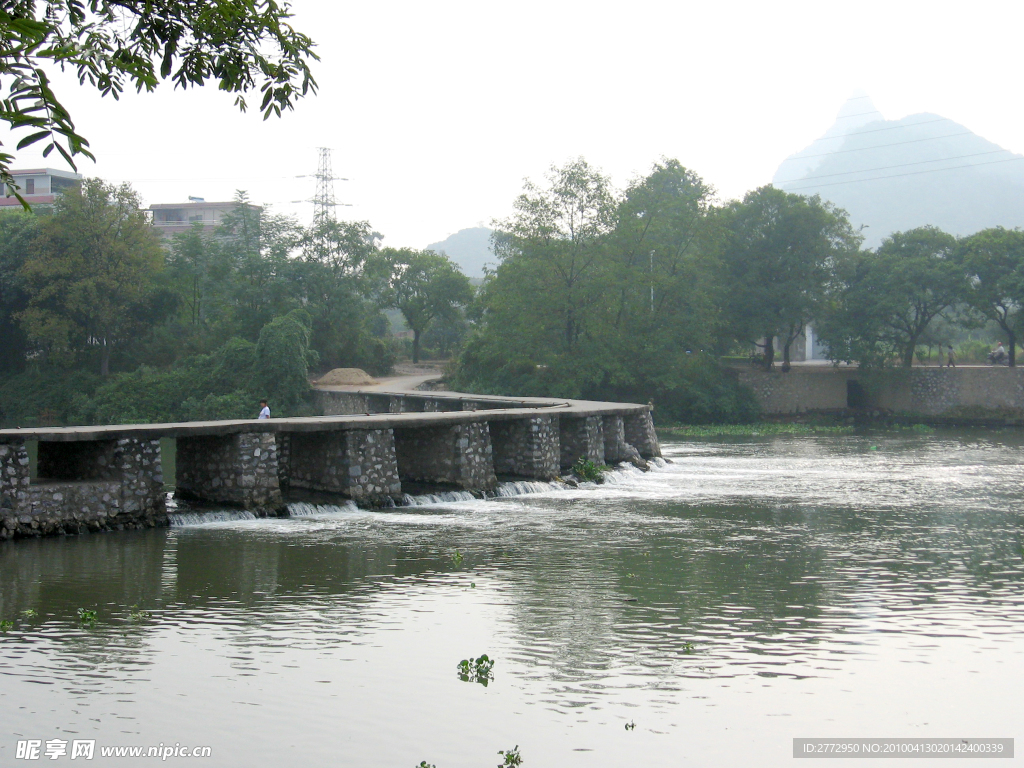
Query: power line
pixel 881 146
pixel 909 173
pixel 887 167
pixel 858 114
pixel 856 132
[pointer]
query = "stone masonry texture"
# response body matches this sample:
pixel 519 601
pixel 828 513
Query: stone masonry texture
pixel 639 429
pixel 359 463
pixel 118 484
pixel 239 469
pixel 526 447
pixel 459 455
pixel 581 438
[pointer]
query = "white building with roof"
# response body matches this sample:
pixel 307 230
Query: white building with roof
pixel 39 186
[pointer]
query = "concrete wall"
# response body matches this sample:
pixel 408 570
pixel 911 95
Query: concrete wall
pixel 976 393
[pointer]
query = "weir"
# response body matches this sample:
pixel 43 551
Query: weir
pixel 365 447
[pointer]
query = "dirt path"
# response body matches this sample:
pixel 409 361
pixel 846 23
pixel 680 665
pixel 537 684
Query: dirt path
pixel 407 378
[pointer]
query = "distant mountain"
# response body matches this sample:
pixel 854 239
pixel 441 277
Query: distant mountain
pixel 894 175
pixel 469 248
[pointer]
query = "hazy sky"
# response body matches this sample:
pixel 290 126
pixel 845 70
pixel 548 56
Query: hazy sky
pixel 436 111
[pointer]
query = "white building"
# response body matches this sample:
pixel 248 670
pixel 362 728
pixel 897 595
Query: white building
pixel 39 187
pixel 173 218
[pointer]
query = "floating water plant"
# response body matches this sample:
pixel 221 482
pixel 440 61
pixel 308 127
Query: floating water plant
pixel 512 757
pixel 457 559
pixel 6 624
pixel 630 725
pixel 87 616
pixel 137 614
pixel 478 670
pixel 28 613
pixel 425 764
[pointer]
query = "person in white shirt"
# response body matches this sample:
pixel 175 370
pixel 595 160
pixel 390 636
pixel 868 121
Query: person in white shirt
pixel 264 410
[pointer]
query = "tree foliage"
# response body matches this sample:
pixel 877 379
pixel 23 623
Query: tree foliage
pixel 606 295
pixel 91 275
pixel 994 263
pixel 779 250
pixel 242 45
pixel 890 297
pixel 424 286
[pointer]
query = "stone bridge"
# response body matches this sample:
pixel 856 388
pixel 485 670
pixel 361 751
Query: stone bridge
pixel 367 447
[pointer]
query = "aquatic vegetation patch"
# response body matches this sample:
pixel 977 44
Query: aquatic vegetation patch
pixel 761 429
pixel 511 756
pixel 589 471
pixel 478 670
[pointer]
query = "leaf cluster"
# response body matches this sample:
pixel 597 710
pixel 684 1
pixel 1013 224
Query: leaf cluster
pixel 242 45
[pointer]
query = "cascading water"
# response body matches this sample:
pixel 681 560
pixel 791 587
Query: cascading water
pixel 190 519
pixel 305 509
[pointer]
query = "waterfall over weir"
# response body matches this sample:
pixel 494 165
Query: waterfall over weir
pixel 190 519
pixel 622 475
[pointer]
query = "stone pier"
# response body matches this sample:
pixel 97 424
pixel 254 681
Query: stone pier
pixel 360 464
pixel 526 447
pixel 459 455
pixel 236 469
pixel 104 485
pixel 581 437
pixel 616 448
pixel 639 432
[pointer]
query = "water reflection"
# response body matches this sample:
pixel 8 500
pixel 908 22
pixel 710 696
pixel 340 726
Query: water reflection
pixel 716 590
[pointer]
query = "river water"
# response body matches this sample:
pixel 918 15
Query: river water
pixel 751 591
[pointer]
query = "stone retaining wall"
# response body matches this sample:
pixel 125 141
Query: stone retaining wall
pixel 977 393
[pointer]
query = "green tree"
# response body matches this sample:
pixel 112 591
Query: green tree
pixel 283 359
pixel 259 284
pixel 17 232
pixel 424 286
pixel 779 249
pixel 91 272
pixel 664 273
pixel 242 45
pixel 198 270
pixel 554 246
pixel 994 262
pixel 889 297
pixel 342 278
